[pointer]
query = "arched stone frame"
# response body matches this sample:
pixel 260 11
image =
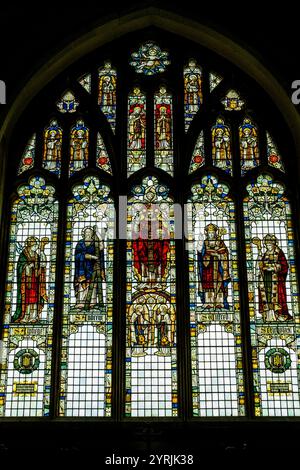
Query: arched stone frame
pixel 166 21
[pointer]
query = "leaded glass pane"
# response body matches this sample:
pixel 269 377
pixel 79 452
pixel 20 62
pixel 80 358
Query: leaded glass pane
pixel 151 363
pixel 221 145
pixel 136 139
pixel 248 145
pixel 86 357
pixel 163 130
pixel 79 147
pixel 217 374
pixel 193 96
pixel 107 76
pixel 273 298
pixel 26 353
pixel 27 160
pixel 52 147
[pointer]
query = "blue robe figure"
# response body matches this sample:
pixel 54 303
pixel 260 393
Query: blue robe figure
pixel 89 270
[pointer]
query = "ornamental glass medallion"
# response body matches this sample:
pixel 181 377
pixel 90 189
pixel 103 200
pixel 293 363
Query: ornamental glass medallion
pixel 26 353
pixel 198 157
pixel 151 363
pixel 273 298
pixel 150 59
pixel 216 342
pixel 67 103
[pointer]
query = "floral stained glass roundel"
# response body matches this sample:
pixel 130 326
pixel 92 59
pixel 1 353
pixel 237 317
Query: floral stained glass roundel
pixel 150 59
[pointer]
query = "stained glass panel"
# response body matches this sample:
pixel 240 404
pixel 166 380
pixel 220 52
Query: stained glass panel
pixel 26 352
pixel 67 103
pixel 107 98
pixel 86 82
pixel 274 157
pixel 193 96
pixel 273 298
pixel 163 129
pixel 27 160
pixel 79 147
pixel 151 366
pixel 198 158
pixel 136 141
pixel 233 101
pixel 86 357
pixel 221 146
pixel 52 147
pixel 150 59
pixel 217 375
pixel 248 145
pixel 214 80
pixel 102 160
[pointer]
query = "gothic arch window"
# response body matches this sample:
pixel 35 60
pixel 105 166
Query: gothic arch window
pixel 151 261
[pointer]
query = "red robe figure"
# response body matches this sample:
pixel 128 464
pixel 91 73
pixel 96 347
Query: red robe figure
pixel 272 274
pixel 151 247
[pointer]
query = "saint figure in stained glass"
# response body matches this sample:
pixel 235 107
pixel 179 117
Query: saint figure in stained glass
pixel 89 269
pixel 137 128
pixel 67 103
pixel 192 91
pixel 221 150
pixel 248 145
pixel 52 147
pixel 232 101
pixel 213 269
pixel 31 281
pixel 272 273
pixel 163 125
pixel 107 92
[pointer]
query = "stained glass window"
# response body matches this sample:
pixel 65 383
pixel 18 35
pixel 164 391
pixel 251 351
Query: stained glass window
pixel 150 59
pixel 163 130
pixel 151 364
pixel 193 95
pixel 221 145
pixel 136 140
pixel 52 147
pixel 79 147
pixel 67 103
pixel 248 145
pixel 25 384
pixel 273 298
pixel 274 157
pixel 230 294
pixel 198 158
pixel 217 374
pixel 86 358
pixel 232 101
pixel 102 160
pixel 107 92
pixel 27 160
